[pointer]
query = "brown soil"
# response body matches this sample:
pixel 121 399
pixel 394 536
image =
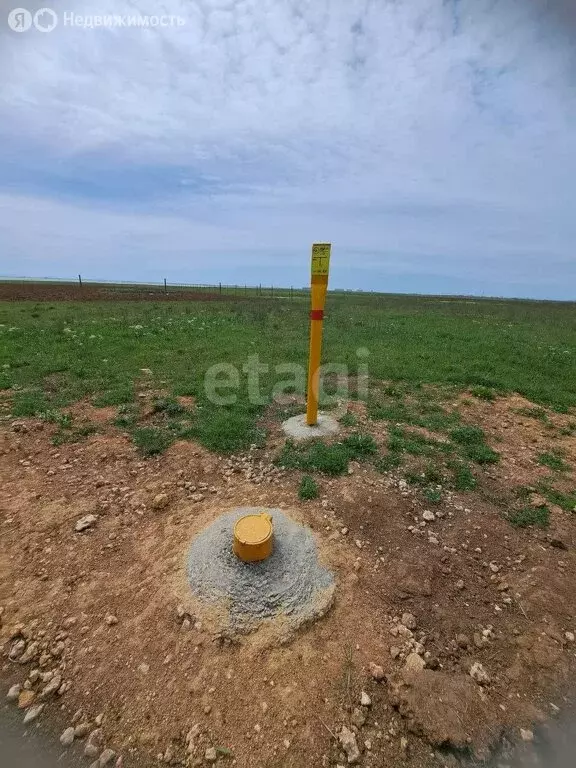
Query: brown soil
pixel 107 606
pixel 30 291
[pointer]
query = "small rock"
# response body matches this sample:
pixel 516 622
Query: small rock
pixel 67 737
pixel 526 734
pixel 81 730
pixel 25 699
pixel 111 620
pixel 463 641
pixel 365 700
pixel 160 501
pixel 414 663
pixel 14 692
pixel 460 584
pixel 196 497
pixel 95 743
pixel 428 516
pixel 569 637
pixel 86 522
pixel 358 717
pixel 106 758
pixel 33 713
pixel 348 743
pixel 211 755
pixel 99 719
pixel 536 500
pixel 394 651
pixel 403 743
pixel 143 669
pixel 51 688
pixel 376 671
pixel 478 673
pixel 409 620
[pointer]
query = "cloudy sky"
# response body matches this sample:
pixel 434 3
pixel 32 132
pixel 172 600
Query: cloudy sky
pixel 432 142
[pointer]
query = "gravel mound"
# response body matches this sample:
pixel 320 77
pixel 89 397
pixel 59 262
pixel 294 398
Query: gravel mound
pixel 290 585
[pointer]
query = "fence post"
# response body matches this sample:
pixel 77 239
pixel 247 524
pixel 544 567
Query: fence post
pixel 80 280
pixel 291 292
pixel 220 287
pixel 165 286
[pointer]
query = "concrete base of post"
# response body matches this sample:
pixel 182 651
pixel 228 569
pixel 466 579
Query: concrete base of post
pixel 299 430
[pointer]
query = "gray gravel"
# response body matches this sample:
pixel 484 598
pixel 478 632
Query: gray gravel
pixel 290 584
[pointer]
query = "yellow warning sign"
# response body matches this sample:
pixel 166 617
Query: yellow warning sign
pixel 321 258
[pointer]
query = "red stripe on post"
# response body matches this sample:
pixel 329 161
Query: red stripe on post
pixel 316 314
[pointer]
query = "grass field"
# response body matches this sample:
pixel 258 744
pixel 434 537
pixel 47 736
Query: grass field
pixel 52 354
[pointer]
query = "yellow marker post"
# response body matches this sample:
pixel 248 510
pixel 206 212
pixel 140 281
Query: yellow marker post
pixel 319 285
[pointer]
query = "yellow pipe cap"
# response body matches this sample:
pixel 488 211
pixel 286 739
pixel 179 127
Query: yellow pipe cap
pixel 253 537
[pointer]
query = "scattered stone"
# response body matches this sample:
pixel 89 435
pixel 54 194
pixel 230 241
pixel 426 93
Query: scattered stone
pixel 106 758
pixel 394 651
pixel 86 522
pixel 414 663
pixel 81 730
pixel 33 713
pixel 376 671
pixel 211 755
pixel 14 692
pixel 365 700
pixel 428 516
pixel 196 497
pixel 460 584
pixel 67 737
pixel 569 637
pixel 143 669
pixel 111 620
pixel 95 743
pixel 526 734
pixel 99 719
pixel 358 717
pixel 51 688
pixel 409 621
pixel 403 743
pixel 558 544
pixel 25 699
pixel 160 501
pixel 348 743
pixel 536 500
pixel 478 673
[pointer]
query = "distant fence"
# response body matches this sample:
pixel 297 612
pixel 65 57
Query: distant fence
pixel 165 286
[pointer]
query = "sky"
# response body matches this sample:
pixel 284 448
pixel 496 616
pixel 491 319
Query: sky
pixel 432 142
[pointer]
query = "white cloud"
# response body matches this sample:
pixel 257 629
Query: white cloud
pixel 438 131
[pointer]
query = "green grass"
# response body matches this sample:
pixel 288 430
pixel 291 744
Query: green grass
pixel 567 501
pixel 348 420
pixel 29 403
pixel 471 439
pixel 387 462
pixel 152 440
pixel 534 412
pixel 462 477
pixel 308 488
pixel 73 435
pixel 553 461
pixel 333 459
pixel 54 354
pixel 432 495
pixel 530 516
pixel 483 393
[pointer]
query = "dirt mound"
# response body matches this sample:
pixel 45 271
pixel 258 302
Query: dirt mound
pixel 448 710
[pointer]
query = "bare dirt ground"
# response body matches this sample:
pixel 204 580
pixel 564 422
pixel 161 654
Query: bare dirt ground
pixel 30 291
pixel 446 635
